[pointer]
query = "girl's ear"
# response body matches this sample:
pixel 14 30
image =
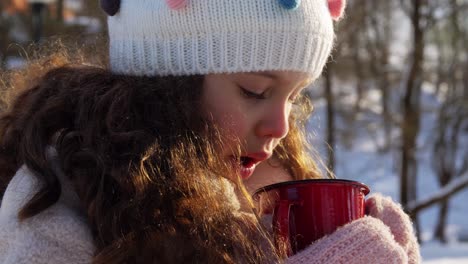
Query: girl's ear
pixel 176 4
pixel 111 7
pixel 336 8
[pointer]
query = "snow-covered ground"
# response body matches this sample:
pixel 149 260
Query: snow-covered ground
pixel 380 172
pixel 435 253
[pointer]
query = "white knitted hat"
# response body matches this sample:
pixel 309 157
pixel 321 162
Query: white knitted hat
pixel 186 37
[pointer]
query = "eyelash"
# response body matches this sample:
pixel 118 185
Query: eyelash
pixel 295 101
pixel 252 95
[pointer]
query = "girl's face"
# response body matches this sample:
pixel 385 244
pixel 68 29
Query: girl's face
pixel 251 109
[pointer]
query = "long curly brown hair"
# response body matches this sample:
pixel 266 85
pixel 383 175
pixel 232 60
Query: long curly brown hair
pixel 142 160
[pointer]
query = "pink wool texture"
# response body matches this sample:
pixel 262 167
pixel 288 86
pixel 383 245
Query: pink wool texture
pixel 384 236
pixel 392 215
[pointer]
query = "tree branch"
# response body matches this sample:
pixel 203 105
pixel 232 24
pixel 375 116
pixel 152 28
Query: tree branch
pixel 448 190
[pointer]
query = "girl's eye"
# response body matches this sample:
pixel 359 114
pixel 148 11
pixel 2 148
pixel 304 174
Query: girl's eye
pixel 250 94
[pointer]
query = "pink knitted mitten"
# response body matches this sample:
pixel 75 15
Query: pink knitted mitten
pixel 366 240
pixel 392 215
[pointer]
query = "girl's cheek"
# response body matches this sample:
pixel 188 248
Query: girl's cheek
pixel 234 124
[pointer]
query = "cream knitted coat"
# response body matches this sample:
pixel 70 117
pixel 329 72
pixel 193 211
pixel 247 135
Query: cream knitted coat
pixel 60 233
pixel 57 235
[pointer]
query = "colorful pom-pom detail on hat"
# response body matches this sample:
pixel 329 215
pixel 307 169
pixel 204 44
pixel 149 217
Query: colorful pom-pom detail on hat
pixel 111 7
pixel 290 4
pixel 176 4
pixel 336 8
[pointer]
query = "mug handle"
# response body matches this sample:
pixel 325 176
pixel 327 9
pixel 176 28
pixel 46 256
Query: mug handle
pixel 281 222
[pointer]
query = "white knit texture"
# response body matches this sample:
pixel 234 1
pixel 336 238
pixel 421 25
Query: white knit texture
pixel 219 36
pixel 58 235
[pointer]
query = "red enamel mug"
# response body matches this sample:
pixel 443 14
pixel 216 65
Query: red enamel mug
pixel 306 210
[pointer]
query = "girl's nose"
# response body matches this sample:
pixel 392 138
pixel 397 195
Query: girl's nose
pixel 274 123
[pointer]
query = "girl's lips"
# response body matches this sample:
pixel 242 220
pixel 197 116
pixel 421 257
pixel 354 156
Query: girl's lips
pixel 247 170
pixel 249 162
pixel 246 164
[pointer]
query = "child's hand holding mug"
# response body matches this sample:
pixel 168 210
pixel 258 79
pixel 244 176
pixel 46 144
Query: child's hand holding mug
pixel 317 221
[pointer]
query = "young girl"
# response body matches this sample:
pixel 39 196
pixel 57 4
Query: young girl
pixel 146 162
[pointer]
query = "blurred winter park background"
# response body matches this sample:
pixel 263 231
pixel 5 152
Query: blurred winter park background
pixel 391 109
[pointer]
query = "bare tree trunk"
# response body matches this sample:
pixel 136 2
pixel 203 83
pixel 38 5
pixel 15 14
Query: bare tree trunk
pixel 384 78
pixel 330 118
pixel 446 147
pixel 465 81
pixel 359 73
pixel 411 112
pixel 379 51
pixel 386 114
pixel 60 11
pixel 441 222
